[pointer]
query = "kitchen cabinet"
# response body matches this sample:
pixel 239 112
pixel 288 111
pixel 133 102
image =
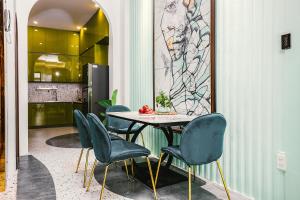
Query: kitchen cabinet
pixel 94 30
pixel 52 41
pixel 36 39
pixel 51 114
pixel 54 68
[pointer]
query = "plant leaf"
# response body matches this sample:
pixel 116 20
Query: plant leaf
pixel 102 114
pixel 105 103
pixel 114 97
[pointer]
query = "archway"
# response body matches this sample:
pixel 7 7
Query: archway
pixel 112 11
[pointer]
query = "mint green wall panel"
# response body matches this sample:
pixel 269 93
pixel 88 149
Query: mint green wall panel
pixel 290 91
pixel 257 91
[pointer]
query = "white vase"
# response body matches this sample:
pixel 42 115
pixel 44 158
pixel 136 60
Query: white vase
pixel 163 109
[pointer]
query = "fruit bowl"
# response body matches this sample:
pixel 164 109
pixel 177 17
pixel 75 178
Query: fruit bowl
pixel 146 110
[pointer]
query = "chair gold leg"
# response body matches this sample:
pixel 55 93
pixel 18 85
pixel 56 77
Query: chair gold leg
pixel 86 166
pixel 158 167
pixel 190 184
pixel 223 180
pixel 151 176
pixel 103 184
pixel 132 167
pixel 78 163
pixel 125 163
pixel 91 175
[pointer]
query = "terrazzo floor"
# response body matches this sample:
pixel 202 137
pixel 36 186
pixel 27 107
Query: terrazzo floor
pixel 61 163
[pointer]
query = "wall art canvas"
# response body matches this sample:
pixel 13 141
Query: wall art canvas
pixel 184 54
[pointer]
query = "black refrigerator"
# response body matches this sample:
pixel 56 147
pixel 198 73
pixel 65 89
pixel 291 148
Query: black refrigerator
pixel 95 87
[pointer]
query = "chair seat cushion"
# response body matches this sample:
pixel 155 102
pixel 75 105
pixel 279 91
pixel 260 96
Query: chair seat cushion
pixel 115 137
pixel 174 151
pixel 121 150
pixel 134 129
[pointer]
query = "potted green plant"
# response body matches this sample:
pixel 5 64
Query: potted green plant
pixel 105 103
pixel 163 103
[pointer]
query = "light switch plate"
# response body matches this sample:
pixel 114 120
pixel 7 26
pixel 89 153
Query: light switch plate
pixel 286 41
pixel 281 161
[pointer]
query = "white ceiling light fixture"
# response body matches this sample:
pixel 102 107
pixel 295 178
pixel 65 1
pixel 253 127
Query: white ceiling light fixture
pixel 49 58
pixel 35 22
pixel 78 27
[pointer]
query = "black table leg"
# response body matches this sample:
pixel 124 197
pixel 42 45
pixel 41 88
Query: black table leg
pixel 169 135
pixel 133 139
pixel 129 130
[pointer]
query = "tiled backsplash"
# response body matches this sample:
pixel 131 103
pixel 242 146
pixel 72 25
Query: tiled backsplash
pixel 65 92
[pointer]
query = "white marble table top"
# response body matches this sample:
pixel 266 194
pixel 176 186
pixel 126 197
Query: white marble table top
pixel 153 119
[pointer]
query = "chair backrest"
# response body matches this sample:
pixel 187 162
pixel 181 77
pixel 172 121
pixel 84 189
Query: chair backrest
pixel 83 128
pixel 114 122
pixel 202 139
pixel 100 139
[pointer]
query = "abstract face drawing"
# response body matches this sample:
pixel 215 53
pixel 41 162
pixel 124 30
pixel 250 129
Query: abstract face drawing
pixel 185 27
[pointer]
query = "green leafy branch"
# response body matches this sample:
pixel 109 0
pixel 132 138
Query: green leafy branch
pixel 106 103
pixel 163 100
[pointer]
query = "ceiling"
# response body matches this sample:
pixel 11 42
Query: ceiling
pixel 62 14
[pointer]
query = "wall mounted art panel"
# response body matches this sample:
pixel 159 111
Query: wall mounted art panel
pixel 184 54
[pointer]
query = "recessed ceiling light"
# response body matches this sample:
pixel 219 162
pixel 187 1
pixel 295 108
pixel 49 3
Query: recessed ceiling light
pixel 78 27
pixel 96 5
pixel 35 22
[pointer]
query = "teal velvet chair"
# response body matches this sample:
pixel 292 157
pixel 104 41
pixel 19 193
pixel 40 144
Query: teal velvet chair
pixel 201 143
pixel 85 140
pixel 120 126
pixel 109 151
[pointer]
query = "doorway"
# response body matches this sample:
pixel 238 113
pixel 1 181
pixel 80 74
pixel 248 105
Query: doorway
pixel 62 41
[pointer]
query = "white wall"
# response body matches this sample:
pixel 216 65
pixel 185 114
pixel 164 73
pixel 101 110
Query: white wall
pixel 114 11
pixel 10 122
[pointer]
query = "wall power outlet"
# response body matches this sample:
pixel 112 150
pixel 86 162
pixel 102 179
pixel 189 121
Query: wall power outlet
pixel 281 161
